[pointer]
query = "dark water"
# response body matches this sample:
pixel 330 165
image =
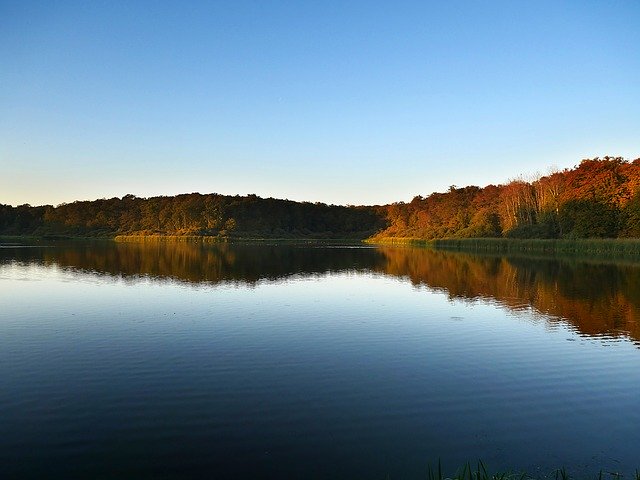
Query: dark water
pixel 191 361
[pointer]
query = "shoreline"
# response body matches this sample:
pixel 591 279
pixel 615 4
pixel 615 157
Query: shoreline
pixel 607 247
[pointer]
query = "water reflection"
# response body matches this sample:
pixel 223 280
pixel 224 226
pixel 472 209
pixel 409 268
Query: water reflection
pixel 353 374
pixel 197 262
pixel 597 298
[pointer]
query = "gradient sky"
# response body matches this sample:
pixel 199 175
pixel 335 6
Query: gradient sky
pixel 341 102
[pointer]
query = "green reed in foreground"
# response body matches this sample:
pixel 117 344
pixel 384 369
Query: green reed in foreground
pixel 480 472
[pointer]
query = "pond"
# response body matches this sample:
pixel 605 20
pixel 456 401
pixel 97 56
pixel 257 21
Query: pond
pixel 174 360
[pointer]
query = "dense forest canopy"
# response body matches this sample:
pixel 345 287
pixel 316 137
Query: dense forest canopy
pixel 192 214
pixel 598 198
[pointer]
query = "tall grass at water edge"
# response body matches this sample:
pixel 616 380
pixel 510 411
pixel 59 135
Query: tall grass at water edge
pixel 588 246
pixel 170 238
pixel 480 472
pixel 236 240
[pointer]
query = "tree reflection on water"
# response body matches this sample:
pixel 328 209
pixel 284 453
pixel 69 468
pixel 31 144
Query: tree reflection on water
pixel 597 298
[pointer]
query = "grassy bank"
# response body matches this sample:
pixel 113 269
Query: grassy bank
pixel 18 238
pixel 47 238
pixel 235 239
pixel 170 238
pixel 604 248
pixel 418 242
pixel 597 247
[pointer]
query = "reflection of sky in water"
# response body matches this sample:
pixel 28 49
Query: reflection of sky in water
pixel 405 371
pixel 307 367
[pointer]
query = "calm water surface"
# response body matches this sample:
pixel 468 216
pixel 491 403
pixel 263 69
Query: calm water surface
pixel 191 361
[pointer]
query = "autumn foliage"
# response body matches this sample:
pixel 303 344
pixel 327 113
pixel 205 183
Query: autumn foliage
pixel 600 198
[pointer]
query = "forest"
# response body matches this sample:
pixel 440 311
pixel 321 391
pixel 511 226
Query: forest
pixel 192 214
pixel 599 198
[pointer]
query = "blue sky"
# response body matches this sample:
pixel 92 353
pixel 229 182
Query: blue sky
pixel 340 102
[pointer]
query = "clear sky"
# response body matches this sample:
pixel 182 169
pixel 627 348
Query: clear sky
pixel 341 102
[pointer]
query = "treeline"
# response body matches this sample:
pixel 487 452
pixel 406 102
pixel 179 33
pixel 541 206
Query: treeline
pixel 192 214
pixel 600 198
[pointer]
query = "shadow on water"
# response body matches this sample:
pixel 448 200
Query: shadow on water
pixel 597 298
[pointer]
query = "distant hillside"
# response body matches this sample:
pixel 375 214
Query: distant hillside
pixel 598 198
pixel 193 214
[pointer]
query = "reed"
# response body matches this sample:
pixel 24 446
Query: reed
pixel 467 472
pixel 400 241
pixel 237 239
pixel 591 246
pixel 480 472
pixel 169 238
